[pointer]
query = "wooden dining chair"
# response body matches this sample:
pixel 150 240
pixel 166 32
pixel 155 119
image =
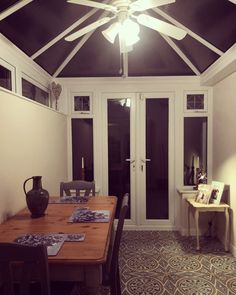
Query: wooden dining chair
pixel 111 273
pixel 78 188
pixel 30 268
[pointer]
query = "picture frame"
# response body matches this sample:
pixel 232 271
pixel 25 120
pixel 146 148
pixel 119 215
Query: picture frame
pixel 204 194
pixel 217 192
pixel 81 103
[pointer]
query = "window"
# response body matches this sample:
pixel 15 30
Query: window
pixel 5 77
pixel 195 148
pixel 195 101
pixel 82 103
pixel 35 93
pixel 82 149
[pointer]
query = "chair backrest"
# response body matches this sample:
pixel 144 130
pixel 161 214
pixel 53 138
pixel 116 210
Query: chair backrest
pixel 119 230
pixel 79 187
pixel 24 262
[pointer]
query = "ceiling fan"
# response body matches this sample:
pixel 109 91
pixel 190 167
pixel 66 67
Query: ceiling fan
pixel 128 17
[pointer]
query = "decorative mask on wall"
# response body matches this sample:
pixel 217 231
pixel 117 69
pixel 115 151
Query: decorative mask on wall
pixel 56 91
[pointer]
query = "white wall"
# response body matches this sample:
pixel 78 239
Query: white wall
pixel 33 142
pixel 224 143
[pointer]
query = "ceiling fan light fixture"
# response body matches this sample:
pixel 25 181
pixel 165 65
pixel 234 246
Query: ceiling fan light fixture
pixel 129 32
pixel 111 32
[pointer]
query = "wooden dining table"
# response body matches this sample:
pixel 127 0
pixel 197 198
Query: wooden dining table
pixel 75 261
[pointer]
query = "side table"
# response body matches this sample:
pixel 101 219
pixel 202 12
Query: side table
pixel 196 208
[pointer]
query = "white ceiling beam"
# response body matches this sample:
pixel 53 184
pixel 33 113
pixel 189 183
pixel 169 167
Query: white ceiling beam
pixel 64 33
pixel 13 8
pixel 191 33
pixel 73 53
pixel 77 48
pixel 221 68
pixel 181 54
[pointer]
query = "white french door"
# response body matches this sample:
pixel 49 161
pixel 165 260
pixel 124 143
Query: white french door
pixel 138 148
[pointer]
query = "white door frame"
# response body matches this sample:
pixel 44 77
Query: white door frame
pixel 120 95
pixel 165 223
pixel 137 151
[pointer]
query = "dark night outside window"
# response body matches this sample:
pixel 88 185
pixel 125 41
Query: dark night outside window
pixel 81 103
pixel 5 78
pixel 157 148
pixel 195 102
pixel 82 147
pixel 195 147
pixel 118 149
pixel 35 93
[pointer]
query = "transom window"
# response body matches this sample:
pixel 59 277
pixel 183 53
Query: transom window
pixel 35 93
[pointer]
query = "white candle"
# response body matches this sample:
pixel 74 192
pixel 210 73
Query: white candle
pixel 197 163
pixel 82 162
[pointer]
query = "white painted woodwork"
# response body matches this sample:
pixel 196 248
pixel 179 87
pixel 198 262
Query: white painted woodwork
pixel 77 48
pixel 221 69
pixel 14 8
pixel 181 54
pixel 64 33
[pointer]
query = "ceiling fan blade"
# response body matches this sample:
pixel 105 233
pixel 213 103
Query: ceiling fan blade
pixel 161 26
pixel 88 28
pixel 94 4
pixel 141 5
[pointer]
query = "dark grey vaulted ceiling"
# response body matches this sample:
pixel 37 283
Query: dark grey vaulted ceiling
pixel 211 26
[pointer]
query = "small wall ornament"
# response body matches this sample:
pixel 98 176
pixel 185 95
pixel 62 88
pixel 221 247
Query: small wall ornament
pixel 56 91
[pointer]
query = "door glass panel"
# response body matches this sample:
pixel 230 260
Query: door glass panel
pixel 82 149
pixel 157 117
pixel 118 148
pixel 195 148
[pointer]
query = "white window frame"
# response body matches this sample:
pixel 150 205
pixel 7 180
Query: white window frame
pixel 37 84
pixel 197 92
pixel 12 69
pixel 90 95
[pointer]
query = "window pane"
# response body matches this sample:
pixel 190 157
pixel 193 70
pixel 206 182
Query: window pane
pixel 157 147
pixel 81 103
pixel 35 93
pixel 195 148
pixel 195 102
pixel 82 147
pixel 118 149
pixel 5 78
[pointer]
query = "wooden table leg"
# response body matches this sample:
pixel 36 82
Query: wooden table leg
pixel 93 279
pixel 226 229
pixel 196 217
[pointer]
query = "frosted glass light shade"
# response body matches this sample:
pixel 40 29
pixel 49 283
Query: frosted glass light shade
pixel 111 32
pixel 129 32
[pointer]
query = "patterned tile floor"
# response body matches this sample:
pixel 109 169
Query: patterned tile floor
pixel 161 262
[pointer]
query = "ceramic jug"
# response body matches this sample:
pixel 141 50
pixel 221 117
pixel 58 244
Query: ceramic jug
pixel 37 198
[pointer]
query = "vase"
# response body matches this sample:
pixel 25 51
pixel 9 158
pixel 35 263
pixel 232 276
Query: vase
pixel 37 198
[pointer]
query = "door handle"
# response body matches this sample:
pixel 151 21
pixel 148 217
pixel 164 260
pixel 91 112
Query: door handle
pixel 143 161
pixel 130 160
